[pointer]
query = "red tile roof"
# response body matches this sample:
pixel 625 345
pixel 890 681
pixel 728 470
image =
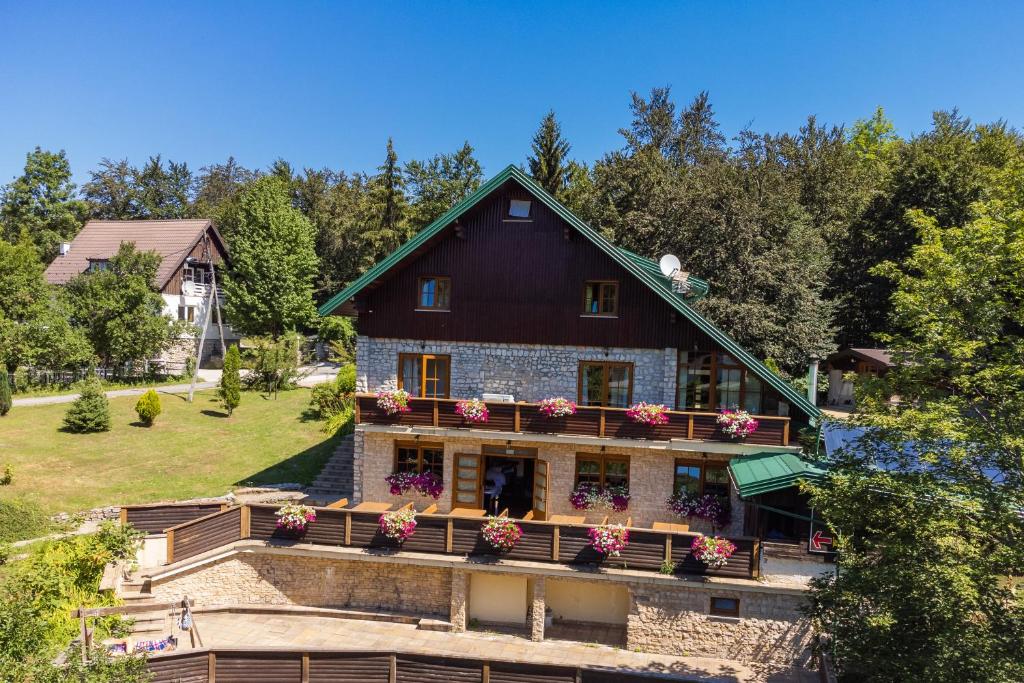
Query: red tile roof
pixel 172 239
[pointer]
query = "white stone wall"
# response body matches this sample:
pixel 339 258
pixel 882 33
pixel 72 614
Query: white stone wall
pixel 529 372
pixel 651 476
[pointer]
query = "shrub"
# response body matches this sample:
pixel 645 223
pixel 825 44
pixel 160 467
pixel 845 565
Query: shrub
pixel 8 476
pixel 330 398
pixel 343 422
pixel 148 407
pixel 22 519
pixel 230 383
pixel 275 363
pixel 5 392
pixel 91 411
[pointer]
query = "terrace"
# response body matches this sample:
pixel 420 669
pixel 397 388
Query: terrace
pixel 590 421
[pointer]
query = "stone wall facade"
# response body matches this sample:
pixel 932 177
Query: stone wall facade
pixel 529 372
pixel 651 476
pixel 256 579
pixel 770 629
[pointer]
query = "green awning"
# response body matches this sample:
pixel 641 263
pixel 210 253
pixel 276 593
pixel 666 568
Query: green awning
pixel 764 472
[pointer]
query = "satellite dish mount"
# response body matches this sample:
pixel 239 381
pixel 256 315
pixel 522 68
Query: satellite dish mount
pixel 671 268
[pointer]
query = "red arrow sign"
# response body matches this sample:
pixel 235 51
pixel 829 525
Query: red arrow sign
pixel 817 540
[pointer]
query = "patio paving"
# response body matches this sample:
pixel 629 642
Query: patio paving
pixel 295 632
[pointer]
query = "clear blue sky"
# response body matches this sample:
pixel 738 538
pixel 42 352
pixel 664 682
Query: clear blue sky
pixel 326 83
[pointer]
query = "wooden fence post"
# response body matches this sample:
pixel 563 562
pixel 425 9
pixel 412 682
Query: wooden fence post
pixel 348 528
pixel 485 673
pixel 245 522
pixel 668 547
pixel 449 535
pixel 124 515
pixel 554 544
pixel 392 668
pixel 305 667
pixel 170 546
pixel 211 667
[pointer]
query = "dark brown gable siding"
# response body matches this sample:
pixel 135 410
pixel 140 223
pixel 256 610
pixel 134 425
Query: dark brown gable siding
pixel 173 285
pixel 520 282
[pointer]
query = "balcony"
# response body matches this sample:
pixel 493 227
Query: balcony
pixel 588 421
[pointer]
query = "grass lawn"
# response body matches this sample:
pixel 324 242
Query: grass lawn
pixel 192 450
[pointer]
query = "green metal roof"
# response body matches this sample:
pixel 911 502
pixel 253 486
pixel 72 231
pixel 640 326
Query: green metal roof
pixel 765 472
pixel 645 270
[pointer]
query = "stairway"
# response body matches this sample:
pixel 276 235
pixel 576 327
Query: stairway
pixel 336 478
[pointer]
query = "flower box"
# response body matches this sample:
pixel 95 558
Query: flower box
pixel 713 551
pixel 609 539
pixel 501 533
pixel 426 484
pixel 651 414
pixel 557 407
pixel 393 402
pixel 737 424
pixel 591 497
pixel 398 525
pixel 293 520
pixel 472 410
pixel 707 507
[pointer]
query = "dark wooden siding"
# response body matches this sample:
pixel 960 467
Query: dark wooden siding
pixel 258 668
pixel 520 282
pixel 339 667
pixel 192 667
pixel 153 519
pixel 173 285
pixel 207 533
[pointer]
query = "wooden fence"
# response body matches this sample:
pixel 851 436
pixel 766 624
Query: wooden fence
pixel 440 534
pixel 253 666
pixel 588 421
pixel 153 519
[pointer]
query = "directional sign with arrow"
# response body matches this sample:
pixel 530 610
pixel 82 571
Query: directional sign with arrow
pixel 819 538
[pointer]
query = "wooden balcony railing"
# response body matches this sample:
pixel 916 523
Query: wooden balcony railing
pixel 648 549
pixel 588 421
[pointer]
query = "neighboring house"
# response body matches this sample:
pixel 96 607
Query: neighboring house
pixel 863 363
pixel 511 298
pixel 191 251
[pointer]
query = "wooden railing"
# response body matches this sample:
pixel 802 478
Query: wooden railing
pixel 588 421
pixel 440 534
pixel 291 666
pixel 153 519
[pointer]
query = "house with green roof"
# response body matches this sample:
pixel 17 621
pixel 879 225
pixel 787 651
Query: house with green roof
pixel 512 361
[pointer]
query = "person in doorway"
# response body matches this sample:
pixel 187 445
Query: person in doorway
pixel 494 482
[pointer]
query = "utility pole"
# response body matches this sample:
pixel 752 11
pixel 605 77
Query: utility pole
pixel 211 302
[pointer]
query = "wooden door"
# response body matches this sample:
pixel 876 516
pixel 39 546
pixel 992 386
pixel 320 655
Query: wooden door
pixel 540 489
pixel 468 481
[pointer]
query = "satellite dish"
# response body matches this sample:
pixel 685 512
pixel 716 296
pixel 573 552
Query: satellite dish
pixel 669 264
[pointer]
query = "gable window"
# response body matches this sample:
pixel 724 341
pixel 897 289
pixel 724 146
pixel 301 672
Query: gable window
pixel 424 375
pixel 434 293
pixel 698 478
pixel 419 458
pixel 187 313
pixel 601 298
pixel 603 470
pixel 98 265
pixel 605 384
pixel 725 607
pixel 519 208
pixel 717 381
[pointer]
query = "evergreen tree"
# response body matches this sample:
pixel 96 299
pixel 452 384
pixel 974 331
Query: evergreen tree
pixel 111 191
pixel 90 412
pixel 441 182
pixel 163 192
pixel 148 407
pixel 42 203
pixel 230 391
pixel 217 187
pixel 5 392
pixel 549 163
pixel 269 288
pixel 388 225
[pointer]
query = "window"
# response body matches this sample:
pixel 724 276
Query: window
pixel 717 381
pixel 700 478
pixel 601 298
pixel 187 313
pixel 200 276
pixel 424 375
pixel 730 379
pixel 603 470
pixel 725 607
pixel 693 385
pixel 419 458
pixel 606 384
pixel 519 208
pixel 434 293
pixel 98 265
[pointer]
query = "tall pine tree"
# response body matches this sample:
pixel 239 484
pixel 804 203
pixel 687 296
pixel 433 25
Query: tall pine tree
pixel 549 163
pixel 388 222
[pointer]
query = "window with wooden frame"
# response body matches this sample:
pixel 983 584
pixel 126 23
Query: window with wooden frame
pixel 434 294
pixel 419 458
pixel 424 375
pixel 707 380
pixel 602 469
pixel 701 477
pixel 601 298
pixel 605 384
pixel 724 607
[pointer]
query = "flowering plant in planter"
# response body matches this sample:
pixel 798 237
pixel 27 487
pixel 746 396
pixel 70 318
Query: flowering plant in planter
pixel 737 424
pixel 293 519
pixel 399 524
pixel 502 533
pixel 609 539
pixel 557 407
pixel 427 484
pixel 472 410
pixel 593 497
pixel 707 507
pixel 713 551
pixel 393 402
pixel 652 414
